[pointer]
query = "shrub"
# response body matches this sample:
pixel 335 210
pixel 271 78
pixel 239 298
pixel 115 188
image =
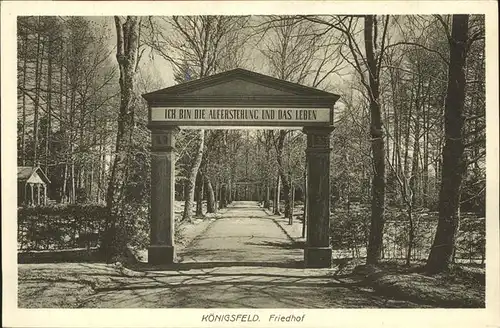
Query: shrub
pixel 349 231
pixel 60 226
pixel 66 226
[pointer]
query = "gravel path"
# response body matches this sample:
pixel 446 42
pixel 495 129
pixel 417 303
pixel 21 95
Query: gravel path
pixel 245 234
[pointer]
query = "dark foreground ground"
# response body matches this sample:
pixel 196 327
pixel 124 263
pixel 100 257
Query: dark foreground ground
pixel 242 259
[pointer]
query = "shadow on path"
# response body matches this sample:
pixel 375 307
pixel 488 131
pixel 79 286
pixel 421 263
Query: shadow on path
pixel 241 289
pixel 214 264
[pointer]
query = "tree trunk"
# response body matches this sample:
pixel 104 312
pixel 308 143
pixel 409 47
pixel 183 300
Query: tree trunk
pixel 411 199
pixel 267 202
pixel 396 107
pixel 406 163
pixel 101 176
pixel 226 200
pixel 377 145
pixel 73 189
pixel 188 204
pixel 199 194
pixel 453 167
pixel 304 215
pixel 91 188
pixel 62 113
pixel 277 196
pixel 118 228
pixel 292 204
pixel 268 145
pixel 49 106
pixel 425 168
pixel 36 105
pixel 93 163
pixel 416 151
pixel 217 194
pixel 281 171
pixel 64 196
pixel 23 126
pixel 184 190
pixel 223 197
pixel 71 137
pixel 286 194
pixel 211 208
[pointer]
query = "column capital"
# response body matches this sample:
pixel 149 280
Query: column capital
pixel 318 139
pixel 163 139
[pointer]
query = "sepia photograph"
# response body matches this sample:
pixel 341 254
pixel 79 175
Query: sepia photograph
pixel 251 161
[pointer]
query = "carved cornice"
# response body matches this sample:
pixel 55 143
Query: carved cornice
pixel 183 89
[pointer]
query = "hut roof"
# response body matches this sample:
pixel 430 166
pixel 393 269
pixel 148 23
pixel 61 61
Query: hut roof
pixel 25 172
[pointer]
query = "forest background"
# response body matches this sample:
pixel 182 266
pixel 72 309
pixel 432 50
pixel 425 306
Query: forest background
pixel 409 145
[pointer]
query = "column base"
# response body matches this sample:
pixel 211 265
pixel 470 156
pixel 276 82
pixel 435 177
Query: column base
pixel 318 257
pixel 161 254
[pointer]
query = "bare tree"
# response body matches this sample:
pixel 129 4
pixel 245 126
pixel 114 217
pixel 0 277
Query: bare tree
pixel 368 65
pixel 72 86
pixel 118 231
pixel 454 165
pixel 295 53
pixel 197 46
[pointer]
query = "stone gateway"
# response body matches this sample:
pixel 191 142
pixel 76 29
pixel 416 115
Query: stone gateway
pixel 240 98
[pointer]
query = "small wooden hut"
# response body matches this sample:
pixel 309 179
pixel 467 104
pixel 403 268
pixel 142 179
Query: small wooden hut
pixel 31 186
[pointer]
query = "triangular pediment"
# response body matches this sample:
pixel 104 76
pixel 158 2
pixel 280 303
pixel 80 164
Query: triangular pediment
pixel 237 87
pixel 237 83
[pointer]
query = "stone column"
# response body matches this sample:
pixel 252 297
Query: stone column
pixel 161 249
pixel 38 200
pixel 32 195
pixel 318 252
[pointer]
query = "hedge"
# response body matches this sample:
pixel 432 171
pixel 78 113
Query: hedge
pixel 60 226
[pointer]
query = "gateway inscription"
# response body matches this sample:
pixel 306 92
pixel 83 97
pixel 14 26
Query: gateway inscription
pixel 320 115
